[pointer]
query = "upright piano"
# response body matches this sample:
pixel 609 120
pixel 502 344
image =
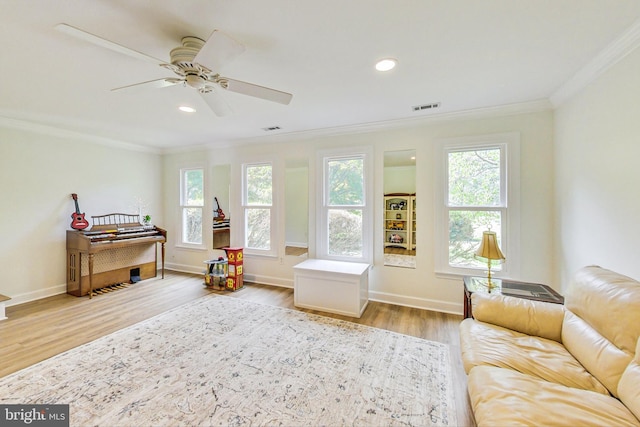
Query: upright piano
pixel 117 249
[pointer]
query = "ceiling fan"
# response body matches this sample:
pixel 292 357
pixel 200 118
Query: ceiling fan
pixel 195 63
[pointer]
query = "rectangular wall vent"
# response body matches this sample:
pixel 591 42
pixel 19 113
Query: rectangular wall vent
pixel 271 128
pixel 425 106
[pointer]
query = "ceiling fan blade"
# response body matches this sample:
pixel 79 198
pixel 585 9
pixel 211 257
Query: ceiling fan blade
pixel 99 41
pixel 219 50
pixel 158 83
pixel 257 91
pixel 217 104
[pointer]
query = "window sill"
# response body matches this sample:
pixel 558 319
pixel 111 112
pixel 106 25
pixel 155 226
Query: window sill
pixel 259 255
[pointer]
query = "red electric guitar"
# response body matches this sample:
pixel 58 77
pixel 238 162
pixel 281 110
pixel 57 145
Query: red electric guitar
pixel 78 222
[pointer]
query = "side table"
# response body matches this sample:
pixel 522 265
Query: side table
pixel 532 291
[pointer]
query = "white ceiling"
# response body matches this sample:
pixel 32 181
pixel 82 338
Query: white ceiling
pixel 464 54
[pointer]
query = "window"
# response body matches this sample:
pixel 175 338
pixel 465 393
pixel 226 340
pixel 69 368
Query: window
pixel 345 226
pixel 258 208
pixel 192 205
pixel 479 185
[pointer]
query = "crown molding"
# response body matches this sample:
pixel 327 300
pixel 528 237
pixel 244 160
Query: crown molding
pixel 306 135
pixel 421 120
pixel 39 128
pixel 610 55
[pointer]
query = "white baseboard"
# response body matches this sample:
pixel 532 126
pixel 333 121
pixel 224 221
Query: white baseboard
pixel 422 303
pixel 297 244
pixel 35 295
pixel 269 280
pixel 256 278
pixel 184 268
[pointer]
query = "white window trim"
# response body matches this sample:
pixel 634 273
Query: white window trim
pixel 510 244
pixel 273 231
pixel 322 239
pixel 205 219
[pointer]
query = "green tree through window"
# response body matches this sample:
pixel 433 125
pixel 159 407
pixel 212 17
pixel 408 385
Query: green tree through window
pixel 192 200
pixel 258 206
pixel 345 200
pixel 475 201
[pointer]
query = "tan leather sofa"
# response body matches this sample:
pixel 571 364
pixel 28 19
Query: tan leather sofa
pixel 541 364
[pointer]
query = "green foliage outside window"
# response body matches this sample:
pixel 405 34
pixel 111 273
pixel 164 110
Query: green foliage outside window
pixel 259 185
pixel 194 187
pixel 259 230
pixel 346 182
pixel 345 193
pixel 474 199
pixel 193 200
pixel 345 232
pixel 259 192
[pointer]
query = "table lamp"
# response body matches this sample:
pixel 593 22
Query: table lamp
pixel 489 251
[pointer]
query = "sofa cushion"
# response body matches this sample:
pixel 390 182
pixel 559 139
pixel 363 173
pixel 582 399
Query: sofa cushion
pixel 608 302
pixel 629 386
pixel 486 344
pixel 503 397
pixel 602 323
pixel 522 315
pixel 599 356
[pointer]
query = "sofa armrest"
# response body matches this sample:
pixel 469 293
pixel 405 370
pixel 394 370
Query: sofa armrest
pixel 529 317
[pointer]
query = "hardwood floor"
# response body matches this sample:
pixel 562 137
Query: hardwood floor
pixel 295 251
pixel 38 330
pixel 399 251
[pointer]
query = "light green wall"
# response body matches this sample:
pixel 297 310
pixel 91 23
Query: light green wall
pixel 400 179
pixel 38 173
pixel 420 287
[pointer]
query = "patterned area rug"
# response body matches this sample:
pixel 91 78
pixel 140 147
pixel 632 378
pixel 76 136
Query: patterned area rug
pixel 408 261
pixel 224 361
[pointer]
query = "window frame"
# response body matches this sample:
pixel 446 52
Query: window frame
pixel 322 234
pixel 246 207
pixel 509 206
pixel 183 206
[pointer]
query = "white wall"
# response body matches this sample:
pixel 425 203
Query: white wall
pixel 597 155
pixel 38 173
pixel 297 206
pixel 420 287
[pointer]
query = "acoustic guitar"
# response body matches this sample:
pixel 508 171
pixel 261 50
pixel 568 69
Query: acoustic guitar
pixel 77 219
pixel 218 212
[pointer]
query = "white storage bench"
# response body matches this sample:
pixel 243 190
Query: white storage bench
pixel 3 300
pixel 332 286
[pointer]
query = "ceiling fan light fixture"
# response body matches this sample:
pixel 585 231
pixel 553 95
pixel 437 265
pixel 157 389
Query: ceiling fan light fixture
pixel 186 109
pixel 195 81
pixel 386 64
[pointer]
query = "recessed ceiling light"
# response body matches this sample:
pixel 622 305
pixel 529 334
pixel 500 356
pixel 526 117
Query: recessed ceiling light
pixel 386 64
pixel 186 109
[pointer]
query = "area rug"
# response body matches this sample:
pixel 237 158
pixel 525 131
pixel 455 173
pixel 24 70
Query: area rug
pixel 397 260
pixel 224 361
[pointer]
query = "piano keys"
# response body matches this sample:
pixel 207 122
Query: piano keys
pixel 116 249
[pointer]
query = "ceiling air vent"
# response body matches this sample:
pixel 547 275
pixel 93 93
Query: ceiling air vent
pixel 271 128
pixel 425 106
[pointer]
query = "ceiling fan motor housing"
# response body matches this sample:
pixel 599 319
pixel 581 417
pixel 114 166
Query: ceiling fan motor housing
pixel 189 49
pixel 195 75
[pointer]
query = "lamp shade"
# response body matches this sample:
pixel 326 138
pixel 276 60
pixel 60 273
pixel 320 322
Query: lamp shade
pixel 489 249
